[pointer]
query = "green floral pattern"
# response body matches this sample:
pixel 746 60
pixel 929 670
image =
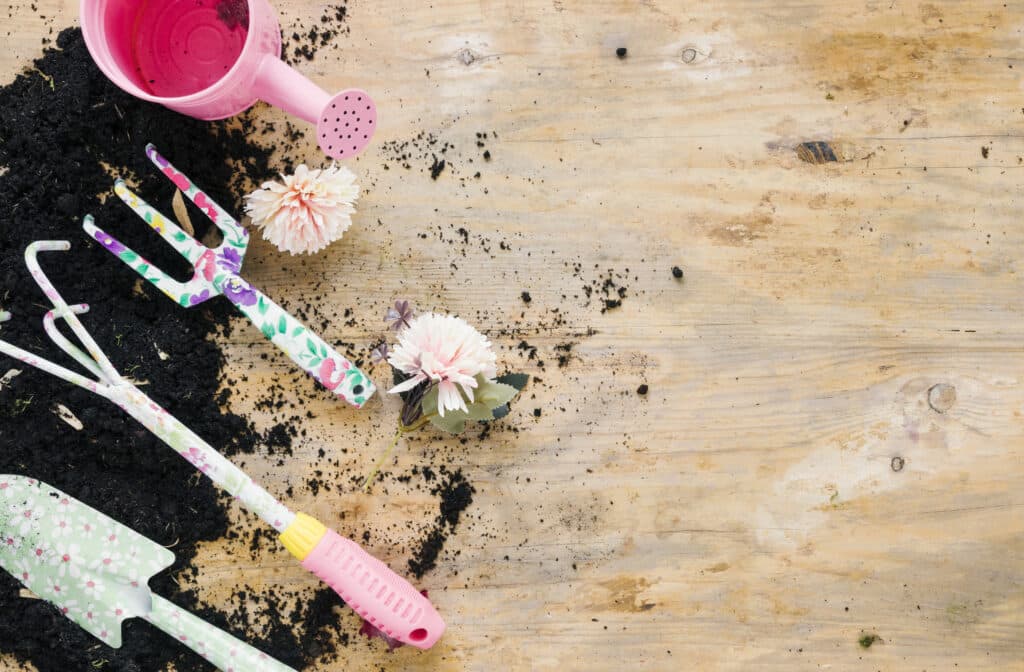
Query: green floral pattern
pixel 96 571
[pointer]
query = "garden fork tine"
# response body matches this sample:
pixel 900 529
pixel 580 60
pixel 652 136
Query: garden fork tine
pixel 228 225
pixel 95 362
pixel 165 283
pixel 50 325
pixel 98 362
pixel 185 244
pixel 46 365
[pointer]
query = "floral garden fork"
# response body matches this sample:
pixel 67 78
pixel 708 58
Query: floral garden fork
pixel 384 599
pixel 216 272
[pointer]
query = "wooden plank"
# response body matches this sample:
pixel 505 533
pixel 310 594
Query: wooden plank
pixel 746 514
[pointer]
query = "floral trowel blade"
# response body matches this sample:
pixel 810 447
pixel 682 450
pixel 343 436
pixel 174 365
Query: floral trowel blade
pixel 217 272
pixel 383 598
pixel 96 571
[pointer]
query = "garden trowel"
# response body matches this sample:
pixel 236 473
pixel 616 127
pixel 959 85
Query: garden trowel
pixel 96 571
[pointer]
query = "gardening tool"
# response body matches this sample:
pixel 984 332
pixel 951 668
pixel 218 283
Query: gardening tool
pixel 214 59
pixel 217 273
pixel 367 585
pixel 95 571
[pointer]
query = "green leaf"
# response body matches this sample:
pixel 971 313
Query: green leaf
pixel 516 380
pixel 449 423
pixel 476 412
pixel 180 237
pixel 129 256
pixel 454 422
pixel 493 394
pixel 311 347
pixel 298 331
pixel 184 300
pixel 323 350
pixel 268 331
pixel 429 402
pixel 141 270
pixel 282 325
pixel 262 306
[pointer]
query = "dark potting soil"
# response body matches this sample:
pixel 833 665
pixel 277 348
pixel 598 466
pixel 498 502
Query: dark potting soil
pixel 456 495
pixel 306 41
pixel 65 131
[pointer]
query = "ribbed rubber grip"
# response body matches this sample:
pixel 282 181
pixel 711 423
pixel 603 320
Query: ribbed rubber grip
pixel 375 592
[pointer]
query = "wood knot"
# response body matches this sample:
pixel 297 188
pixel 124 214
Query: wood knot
pixel 941 397
pixel 817 152
pixel 691 55
pixel 466 56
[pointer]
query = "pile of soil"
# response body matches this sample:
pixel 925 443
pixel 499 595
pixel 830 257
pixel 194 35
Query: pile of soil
pixel 64 132
pixel 456 494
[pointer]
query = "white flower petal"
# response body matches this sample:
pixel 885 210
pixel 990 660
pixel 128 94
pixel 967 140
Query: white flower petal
pixel 407 385
pixel 306 211
pixel 448 351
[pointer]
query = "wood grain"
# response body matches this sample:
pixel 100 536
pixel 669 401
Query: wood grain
pixel 746 514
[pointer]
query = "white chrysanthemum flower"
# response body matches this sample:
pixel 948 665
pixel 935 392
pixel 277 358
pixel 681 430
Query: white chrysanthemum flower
pixel 307 211
pixel 447 351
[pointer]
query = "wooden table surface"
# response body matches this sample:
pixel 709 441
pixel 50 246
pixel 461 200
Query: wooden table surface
pixel 848 309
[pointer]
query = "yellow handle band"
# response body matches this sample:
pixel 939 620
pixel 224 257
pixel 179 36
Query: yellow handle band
pixel 302 536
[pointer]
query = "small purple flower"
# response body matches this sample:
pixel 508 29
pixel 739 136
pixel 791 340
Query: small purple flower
pixel 380 353
pixel 240 292
pixel 229 259
pixel 399 316
pixel 108 241
pixel 196 299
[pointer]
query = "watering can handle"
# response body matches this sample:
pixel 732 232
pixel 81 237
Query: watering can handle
pixel 215 645
pixel 285 87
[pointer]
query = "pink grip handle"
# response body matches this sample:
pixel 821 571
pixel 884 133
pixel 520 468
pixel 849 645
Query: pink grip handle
pixel 375 592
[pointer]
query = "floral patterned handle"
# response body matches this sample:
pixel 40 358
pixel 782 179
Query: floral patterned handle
pixel 217 272
pixel 305 348
pixel 215 645
pixel 200 454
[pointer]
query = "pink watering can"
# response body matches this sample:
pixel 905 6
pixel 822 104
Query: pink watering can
pixel 212 59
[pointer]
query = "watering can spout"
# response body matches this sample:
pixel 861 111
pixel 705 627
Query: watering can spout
pixel 345 122
pixel 286 88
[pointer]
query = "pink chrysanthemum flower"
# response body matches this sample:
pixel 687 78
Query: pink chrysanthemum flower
pixel 447 351
pixel 306 211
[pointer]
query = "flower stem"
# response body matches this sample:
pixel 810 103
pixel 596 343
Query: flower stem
pixel 402 429
pixel 376 468
pixel 416 425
